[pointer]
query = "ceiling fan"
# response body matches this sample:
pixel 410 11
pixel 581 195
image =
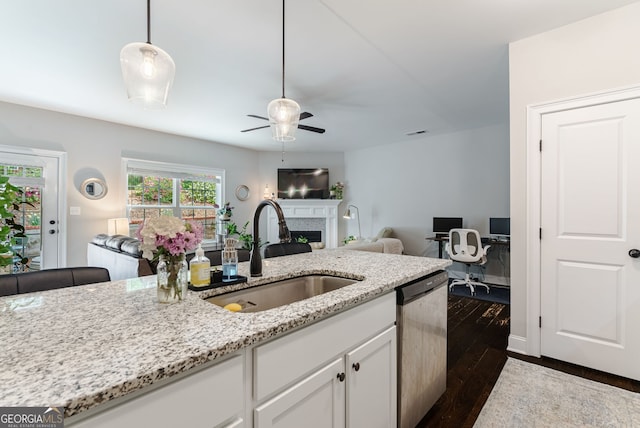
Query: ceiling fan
pixel 303 115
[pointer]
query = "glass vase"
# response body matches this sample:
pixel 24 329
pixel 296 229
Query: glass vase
pixel 172 278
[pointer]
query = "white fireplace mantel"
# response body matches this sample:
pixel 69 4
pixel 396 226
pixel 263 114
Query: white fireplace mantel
pixel 307 208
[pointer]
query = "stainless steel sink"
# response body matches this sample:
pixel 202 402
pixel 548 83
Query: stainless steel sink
pixel 272 295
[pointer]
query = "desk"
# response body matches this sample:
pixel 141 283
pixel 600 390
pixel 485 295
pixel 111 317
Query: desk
pixel 441 240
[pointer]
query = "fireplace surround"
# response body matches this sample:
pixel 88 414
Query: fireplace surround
pixel 307 215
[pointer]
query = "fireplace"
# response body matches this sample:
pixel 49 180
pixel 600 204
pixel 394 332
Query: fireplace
pixel 304 215
pixel 311 235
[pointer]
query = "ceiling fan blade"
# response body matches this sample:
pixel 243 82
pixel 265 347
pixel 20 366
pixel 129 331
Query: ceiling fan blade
pixel 311 128
pixel 305 114
pixel 257 117
pixel 253 129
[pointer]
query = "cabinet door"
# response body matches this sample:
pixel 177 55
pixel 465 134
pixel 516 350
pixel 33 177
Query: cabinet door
pixel 315 402
pixel 371 382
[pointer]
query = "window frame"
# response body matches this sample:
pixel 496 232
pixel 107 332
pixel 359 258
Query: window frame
pixel 176 172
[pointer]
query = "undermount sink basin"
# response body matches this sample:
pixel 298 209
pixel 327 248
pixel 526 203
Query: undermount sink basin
pixel 272 295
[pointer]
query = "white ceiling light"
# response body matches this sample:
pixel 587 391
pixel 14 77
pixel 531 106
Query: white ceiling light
pixel 147 71
pixel 283 113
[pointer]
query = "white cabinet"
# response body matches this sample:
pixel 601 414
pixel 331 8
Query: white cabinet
pixel 211 397
pixel 340 372
pixel 358 390
pixel 315 402
pixel 371 382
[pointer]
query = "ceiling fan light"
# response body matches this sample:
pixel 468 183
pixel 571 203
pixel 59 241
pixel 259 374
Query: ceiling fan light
pixel 284 115
pixel 148 74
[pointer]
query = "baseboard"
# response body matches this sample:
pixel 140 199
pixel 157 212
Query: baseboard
pixel 517 344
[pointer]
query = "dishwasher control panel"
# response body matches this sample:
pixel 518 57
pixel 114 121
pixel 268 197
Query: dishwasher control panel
pixel 420 286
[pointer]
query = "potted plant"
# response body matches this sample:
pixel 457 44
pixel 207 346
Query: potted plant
pixel 337 190
pixel 243 236
pixel 349 239
pixel 226 211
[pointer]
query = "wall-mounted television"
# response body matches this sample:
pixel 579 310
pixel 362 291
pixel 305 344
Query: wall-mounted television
pixel 303 183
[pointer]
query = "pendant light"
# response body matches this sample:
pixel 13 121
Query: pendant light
pixel 147 71
pixel 283 113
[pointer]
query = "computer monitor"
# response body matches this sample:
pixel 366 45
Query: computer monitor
pixel 499 226
pixel 442 225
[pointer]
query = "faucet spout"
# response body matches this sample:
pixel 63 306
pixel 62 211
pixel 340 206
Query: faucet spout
pixel 283 234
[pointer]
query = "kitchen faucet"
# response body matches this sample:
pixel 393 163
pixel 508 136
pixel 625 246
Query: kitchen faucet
pixel 283 234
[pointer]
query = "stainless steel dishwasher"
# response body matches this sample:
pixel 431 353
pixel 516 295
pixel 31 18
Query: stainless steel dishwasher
pixel 422 346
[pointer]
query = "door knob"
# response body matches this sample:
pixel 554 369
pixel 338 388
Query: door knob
pixel 341 377
pixel 356 366
pixel 635 253
pixel 51 231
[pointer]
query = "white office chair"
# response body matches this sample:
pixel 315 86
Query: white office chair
pixel 465 246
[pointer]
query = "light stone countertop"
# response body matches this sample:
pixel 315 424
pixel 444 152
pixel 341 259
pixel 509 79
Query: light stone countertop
pixel 81 346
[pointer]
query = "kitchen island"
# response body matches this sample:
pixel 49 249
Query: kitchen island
pixel 83 346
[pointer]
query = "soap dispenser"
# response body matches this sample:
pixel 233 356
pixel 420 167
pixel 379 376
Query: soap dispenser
pixel 229 260
pixel 200 268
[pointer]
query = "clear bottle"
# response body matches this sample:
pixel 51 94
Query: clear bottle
pixel 200 268
pixel 229 261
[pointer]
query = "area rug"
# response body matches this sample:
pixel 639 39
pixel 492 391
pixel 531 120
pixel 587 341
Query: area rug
pixel 497 294
pixel 528 395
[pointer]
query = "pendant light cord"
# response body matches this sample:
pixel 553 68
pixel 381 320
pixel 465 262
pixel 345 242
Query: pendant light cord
pixel 282 48
pixel 149 21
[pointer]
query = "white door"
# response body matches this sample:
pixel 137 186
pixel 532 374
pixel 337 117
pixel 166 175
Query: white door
pixel 590 218
pixel 38 176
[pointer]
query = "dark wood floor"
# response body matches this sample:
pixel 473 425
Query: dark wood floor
pixel 477 351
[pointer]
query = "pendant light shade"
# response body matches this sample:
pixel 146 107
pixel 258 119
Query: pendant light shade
pixel 283 113
pixel 147 71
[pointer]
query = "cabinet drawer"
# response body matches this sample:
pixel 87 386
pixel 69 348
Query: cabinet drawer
pixel 205 398
pixel 283 360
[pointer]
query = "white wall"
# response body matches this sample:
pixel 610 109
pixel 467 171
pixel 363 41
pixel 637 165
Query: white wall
pixel 97 146
pixel 593 55
pixel 405 185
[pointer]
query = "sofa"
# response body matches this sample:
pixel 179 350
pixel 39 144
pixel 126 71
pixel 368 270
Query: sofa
pixel 382 245
pixel 121 255
pixel 49 279
pixel 383 242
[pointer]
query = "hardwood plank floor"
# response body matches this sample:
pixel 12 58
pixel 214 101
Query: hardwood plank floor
pixel 477 350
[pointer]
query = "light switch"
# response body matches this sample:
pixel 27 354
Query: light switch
pixel 74 210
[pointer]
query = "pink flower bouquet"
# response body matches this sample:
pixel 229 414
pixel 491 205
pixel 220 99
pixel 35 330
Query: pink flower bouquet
pixel 168 236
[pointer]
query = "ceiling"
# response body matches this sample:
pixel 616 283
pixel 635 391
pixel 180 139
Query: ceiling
pixel 370 71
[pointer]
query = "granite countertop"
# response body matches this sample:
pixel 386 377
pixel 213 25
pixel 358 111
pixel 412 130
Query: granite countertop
pixel 81 346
